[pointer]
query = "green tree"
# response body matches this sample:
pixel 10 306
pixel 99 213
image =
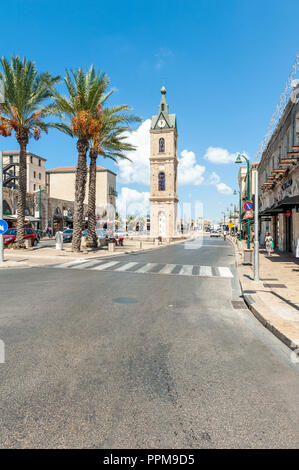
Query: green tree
pixel 24 112
pixel 80 112
pixel 111 142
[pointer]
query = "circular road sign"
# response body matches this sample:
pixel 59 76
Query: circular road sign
pixel 3 226
pixel 248 206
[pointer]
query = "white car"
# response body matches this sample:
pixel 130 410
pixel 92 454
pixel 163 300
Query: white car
pixel 215 234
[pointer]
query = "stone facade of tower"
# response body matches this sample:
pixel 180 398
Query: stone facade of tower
pixel 163 164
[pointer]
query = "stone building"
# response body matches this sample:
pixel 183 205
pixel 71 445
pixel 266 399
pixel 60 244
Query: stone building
pixel 279 182
pixel 61 185
pixel 36 171
pixel 163 171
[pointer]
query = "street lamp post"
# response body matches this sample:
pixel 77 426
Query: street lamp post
pixel 238 160
pixel 240 208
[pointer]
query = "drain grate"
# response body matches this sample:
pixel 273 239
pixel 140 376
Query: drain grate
pixel 272 286
pixel 237 304
pixel 125 300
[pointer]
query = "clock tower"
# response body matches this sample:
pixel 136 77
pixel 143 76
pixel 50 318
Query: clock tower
pixel 163 165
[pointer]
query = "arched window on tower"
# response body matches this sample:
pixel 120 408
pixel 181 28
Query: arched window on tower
pixel 161 145
pixel 161 181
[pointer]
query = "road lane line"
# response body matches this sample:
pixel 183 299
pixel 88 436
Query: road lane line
pixel 205 271
pixel 168 268
pixel 186 270
pixel 146 268
pixel 225 272
pixel 126 266
pixel 105 265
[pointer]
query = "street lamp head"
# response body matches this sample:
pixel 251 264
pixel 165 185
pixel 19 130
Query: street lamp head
pixel 238 159
pixel 235 192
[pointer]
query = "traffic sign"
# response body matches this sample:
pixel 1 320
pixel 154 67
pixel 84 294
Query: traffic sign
pixel 248 206
pixel 230 225
pixel 248 215
pixel 3 226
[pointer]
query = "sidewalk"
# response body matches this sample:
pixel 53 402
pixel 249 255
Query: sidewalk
pixel 42 256
pixel 274 300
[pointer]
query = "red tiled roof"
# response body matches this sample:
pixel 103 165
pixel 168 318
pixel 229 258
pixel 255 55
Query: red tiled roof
pixel 70 168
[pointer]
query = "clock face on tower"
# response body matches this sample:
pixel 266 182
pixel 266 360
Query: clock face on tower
pixel 161 123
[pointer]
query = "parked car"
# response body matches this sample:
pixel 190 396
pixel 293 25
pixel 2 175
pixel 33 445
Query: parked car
pixel 67 235
pixel 11 235
pixel 215 234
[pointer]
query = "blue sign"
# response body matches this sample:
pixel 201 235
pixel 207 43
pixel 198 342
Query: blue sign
pixel 3 226
pixel 248 206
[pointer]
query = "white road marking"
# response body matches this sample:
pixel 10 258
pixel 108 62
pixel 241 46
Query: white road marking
pixel 126 266
pixel 225 272
pixel 186 270
pixel 168 268
pixel 105 265
pixel 72 263
pixel 88 264
pixel 205 271
pixel 146 268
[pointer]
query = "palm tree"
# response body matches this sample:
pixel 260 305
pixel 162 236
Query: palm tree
pixel 24 110
pixel 81 115
pixel 109 143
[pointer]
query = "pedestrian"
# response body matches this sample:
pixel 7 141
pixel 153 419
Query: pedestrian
pixel 269 243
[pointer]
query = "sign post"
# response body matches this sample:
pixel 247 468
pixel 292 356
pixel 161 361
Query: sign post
pixel 256 227
pixel 1 185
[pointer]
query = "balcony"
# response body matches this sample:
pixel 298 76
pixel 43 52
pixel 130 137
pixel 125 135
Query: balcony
pixel 112 192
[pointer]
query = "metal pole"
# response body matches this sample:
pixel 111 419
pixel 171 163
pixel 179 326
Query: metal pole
pixel 256 227
pixel 240 216
pixel 1 206
pixel 248 196
pixel 40 209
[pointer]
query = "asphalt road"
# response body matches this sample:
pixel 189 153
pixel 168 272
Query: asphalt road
pixel 113 359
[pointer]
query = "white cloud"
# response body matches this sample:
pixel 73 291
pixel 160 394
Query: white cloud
pixel 222 188
pixel 138 170
pixel 215 180
pixel 132 202
pixel 219 155
pixel 189 172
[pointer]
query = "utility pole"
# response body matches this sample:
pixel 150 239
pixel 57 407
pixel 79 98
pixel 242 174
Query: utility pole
pixel 256 226
pixel 1 206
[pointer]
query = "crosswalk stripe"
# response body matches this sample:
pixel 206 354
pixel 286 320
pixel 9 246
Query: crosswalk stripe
pixel 71 263
pixel 89 264
pixel 126 266
pixel 146 268
pixel 205 271
pixel 186 270
pixel 225 272
pixel 168 268
pixel 105 265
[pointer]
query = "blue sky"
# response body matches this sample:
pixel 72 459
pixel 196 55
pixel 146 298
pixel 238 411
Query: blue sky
pixel 224 63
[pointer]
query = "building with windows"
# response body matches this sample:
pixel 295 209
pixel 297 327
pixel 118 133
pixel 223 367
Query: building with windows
pixel 163 171
pixel 61 185
pixel 36 171
pixel 279 181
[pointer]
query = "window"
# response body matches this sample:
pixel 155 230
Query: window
pixel 162 106
pixel 39 162
pixel 39 176
pixel 34 187
pixel 161 181
pixel 31 160
pixel 10 158
pixel 161 145
pixel 34 174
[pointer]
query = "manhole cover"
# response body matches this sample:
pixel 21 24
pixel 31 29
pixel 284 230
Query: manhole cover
pixel 238 304
pixel 125 300
pixel 279 286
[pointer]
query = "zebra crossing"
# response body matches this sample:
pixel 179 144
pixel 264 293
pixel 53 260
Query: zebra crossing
pixel 147 268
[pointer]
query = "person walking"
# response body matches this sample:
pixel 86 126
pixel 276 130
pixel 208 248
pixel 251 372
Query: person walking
pixel 269 243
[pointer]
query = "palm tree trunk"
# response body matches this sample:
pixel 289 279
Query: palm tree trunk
pixel 80 185
pixel 92 236
pixel 22 138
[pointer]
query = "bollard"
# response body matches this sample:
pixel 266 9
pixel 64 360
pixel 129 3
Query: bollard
pixel 59 240
pixel 83 242
pixel 111 247
pixel 28 243
pixel 157 241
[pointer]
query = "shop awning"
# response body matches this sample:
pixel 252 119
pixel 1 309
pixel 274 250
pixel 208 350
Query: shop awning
pixel 289 202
